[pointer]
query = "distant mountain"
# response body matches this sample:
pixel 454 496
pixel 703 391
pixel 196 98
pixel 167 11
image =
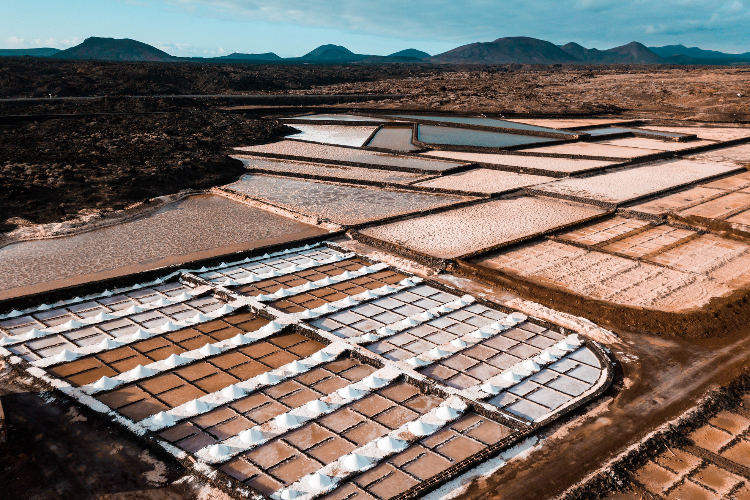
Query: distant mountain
pixel 511 50
pixel 632 53
pixel 41 52
pixel 698 54
pixel 236 56
pixel 112 49
pixel 411 53
pixel 332 54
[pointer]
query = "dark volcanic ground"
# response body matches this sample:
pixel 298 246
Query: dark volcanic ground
pixel 51 169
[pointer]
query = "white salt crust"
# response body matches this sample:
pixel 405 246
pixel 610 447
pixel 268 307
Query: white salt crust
pixel 360 459
pixel 301 415
pixel 565 165
pixel 337 135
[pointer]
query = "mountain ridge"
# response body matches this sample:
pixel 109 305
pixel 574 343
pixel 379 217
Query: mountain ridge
pixel 504 50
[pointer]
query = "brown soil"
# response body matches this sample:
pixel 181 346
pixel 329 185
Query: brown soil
pixel 51 169
pixel 683 93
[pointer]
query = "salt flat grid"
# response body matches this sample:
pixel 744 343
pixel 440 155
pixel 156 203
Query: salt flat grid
pixel 233 387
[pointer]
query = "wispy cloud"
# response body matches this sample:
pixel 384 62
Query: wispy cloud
pixel 588 21
pixel 15 42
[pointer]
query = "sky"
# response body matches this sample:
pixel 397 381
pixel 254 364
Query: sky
pixel 294 27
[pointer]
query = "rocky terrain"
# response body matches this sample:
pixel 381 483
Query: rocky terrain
pixel 51 169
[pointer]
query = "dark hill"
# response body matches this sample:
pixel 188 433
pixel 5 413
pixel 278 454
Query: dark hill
pixel 410 53
pixel 236 56
pixel 519 50
pixel 40 52
pixel 332 53
pixel 696 53
pixel 632 53
pixel 113 49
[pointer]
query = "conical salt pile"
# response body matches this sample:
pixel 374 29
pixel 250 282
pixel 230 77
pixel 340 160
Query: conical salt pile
pixel 409 322
pixel 233 392
pixel 309 314
pixel 489 388
pixel 283 292
pixel 196 406
pixel 240 339
pixel 209 350
pixel 349 301
pixel 6 341
pixel 272 327
pixel 325 281
pixel 183 296
pixel 369 337
pixel 481 334
pixel 251 436
pixel 13 314
pixel 268 378
pixel 199 318
pixel 419 428
pixel 225 309
pixel 139 372
pixel 133 309
pixel 458 343
pixel 326 308
pixel 511 376
pixel 384 331
pixel 141 334
pixel 45 307
pixel 318 481
pixel 346 275
pixel 348 392
pixel 386 289
pixel 446 413
pixel 427 315
pixel 296 367
pixel 105 383
pixel 444 309
pixel 66 355
pixel 497 326
pixel 169 327
pixel 230 282
pixel 321 356
pixel 218 451
pixel 163 419
pixel 390 444
pixel 373 382
pixel 102 316
pixel 317 407
pixel 160 303
pixel 108 344
pixel 286 420
pixel 406 282
pixel 175 360
pixel 530 365
pixel 416 362
pixel 518 317
pixel 308 286
pixel 34 334
pixel 564 346
pixel 71 325
pixel 355 462
pixel 367 295
pixel 547 357
pixel 436 352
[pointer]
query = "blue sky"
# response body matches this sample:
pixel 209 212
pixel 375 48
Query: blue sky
pixel 294 27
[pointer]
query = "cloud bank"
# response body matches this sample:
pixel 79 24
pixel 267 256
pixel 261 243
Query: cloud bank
pixel 720 24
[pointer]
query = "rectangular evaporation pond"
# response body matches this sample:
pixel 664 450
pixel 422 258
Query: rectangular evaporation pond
pixel 398 139
pixel 632 183
pixel 330 171
pixel 468 230
pixel 486 122
pixel 340 135
pixel 182 231
pixel 484 180
pixel 341 204
pixel 340 118
pixel 337 154
pixel 542 163
pixel 598 132
pixel 431 134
